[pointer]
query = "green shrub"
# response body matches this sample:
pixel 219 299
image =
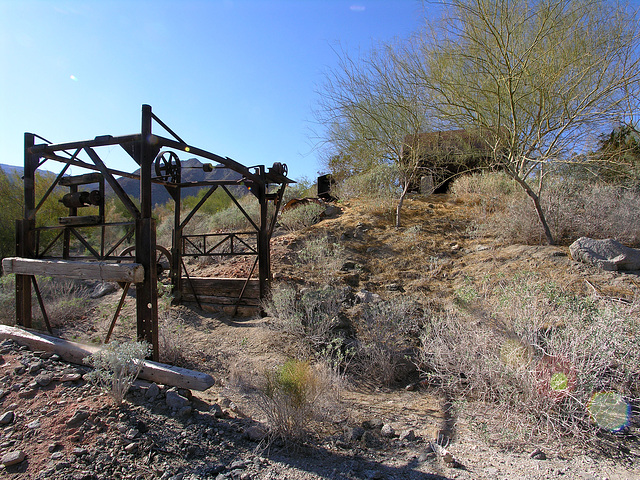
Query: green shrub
pixel 291 399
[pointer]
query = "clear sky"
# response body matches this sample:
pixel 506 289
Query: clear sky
pixel 237 78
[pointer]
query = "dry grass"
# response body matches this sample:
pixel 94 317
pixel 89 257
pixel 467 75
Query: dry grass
pixel 539 352
pixel 573 209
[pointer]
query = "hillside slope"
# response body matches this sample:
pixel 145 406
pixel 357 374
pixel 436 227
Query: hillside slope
pixel 431 259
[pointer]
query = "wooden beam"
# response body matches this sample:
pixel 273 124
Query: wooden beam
pixel 107 272
pixel 221 300
pixel 223 287
pixel 75 353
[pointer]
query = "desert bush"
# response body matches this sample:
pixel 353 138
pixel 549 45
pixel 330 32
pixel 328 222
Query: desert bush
pixel 321 256
pixel 380 183
pixel 291 399
pixel 311 315
pixel 232 218
pixel 384 350
pixel 117 366
pixel 7 299
pixel 545 354
pixel 171 337
pixel 64 299
pixel 301 217
pixel 573 208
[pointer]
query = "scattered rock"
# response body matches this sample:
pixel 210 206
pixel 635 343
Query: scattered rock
pixel 33 425
pixel 407 436
pixel 255 433
pixel 102 289
pixel 353 434
pixel 6 418
pixel 365 296
pixel 387 431
pixel 77 419
pixel 370 439
pixel 44 379
pixel 152 392
pixel 606 254
pixel 373 424
pixel 538 454
pixel 176 401
pixel 216 410
pixel 13 457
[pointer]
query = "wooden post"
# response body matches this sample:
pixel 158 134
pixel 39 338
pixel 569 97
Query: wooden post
pixel 264 255
pixel 147 291
pixel 24 233
pixel 176 248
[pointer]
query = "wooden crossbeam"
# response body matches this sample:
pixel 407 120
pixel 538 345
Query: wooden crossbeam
pixel 107 272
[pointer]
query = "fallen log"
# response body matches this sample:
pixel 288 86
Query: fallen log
pixel 75 353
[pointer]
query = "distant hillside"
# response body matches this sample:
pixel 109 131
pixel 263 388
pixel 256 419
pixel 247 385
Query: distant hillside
pixel 11 169
pixel 191 172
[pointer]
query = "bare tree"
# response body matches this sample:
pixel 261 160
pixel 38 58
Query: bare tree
pixel 543 78
pixel 368 109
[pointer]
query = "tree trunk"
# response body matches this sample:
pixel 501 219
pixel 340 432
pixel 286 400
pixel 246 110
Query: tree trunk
pixel 400 202
pixel 538 207
pixel 541 217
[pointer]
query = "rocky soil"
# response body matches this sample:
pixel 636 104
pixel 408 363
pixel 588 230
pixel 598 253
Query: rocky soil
pixel 56 425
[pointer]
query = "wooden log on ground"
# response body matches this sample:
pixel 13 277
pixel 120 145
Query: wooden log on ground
pixel 107 272
pixel 75 353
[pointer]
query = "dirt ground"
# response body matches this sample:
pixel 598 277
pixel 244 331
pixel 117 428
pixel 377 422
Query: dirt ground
pixel 431 255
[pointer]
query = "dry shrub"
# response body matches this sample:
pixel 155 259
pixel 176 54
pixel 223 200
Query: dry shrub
pixel 384 350
pixel 310 314
pixel 321 256
pixel 8 299
pixel 573 209
pixel 301 217
pixel 379 183
pixel 292 397
pixel 544 354
pixel 65 300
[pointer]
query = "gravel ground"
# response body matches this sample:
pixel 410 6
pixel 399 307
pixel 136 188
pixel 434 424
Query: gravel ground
pixel 54 425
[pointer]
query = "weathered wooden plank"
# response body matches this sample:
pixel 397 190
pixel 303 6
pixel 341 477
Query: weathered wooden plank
pixel 75 353
pixel 243 311
pixel 85 179
pixel 224 287
pixel 107 272
pixel 80 220
pixel 189 297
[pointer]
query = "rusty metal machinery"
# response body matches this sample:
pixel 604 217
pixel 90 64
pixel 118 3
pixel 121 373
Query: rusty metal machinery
pixel 154 154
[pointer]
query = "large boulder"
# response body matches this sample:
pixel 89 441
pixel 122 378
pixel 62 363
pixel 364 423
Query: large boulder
pixel 606 254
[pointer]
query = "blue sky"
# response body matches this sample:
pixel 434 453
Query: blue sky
pixel 237 78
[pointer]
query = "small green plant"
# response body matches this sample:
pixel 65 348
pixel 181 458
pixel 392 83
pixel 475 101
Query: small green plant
pixel 117 366
pixel 290 399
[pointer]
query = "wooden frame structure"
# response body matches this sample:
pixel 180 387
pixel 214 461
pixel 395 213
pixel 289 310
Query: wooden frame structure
pixel 147 149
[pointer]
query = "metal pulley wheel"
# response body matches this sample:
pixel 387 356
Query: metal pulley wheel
pixel 279 169
pixel 163 258
pixel 168 167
